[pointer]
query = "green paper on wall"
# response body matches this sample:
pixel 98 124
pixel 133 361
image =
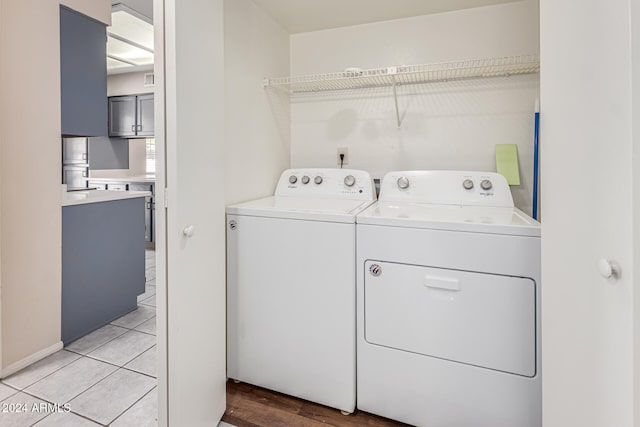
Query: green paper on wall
pixel 507 162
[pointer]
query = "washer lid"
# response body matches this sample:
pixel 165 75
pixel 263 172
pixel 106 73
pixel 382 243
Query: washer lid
pixel 476 219
pixel 304 208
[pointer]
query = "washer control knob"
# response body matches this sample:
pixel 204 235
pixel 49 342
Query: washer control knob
pixel 403 182
pixel 293 179
pixel 467 184
pixel 305 179
pixel 349 180
pixel 317 179
pixel 486 184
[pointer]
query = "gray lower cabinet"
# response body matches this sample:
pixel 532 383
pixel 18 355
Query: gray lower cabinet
pixel 103 263
pixel 149 226
pixel 97 185
pixel 149 206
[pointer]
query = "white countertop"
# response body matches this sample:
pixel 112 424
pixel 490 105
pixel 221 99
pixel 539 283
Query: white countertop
pixel 72 198
pixel 132 178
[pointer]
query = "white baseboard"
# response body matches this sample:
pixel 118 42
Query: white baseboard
pixel 23 363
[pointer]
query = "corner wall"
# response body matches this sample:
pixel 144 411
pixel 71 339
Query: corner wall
pixel 257 123
pixel 451 125
pixel 30 176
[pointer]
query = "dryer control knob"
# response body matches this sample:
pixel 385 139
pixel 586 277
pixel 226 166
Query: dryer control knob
pixel 486 184
pixel 467 184
pixel 349 180
pixel 305 179
pixel 317 179
pixel 403 182
pixel 293 179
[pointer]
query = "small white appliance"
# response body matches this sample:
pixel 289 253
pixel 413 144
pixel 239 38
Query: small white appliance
pixel 448 303
pixel 291 298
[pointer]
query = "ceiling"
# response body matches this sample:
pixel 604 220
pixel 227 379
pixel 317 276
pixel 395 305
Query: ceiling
pixel 299 16
pixel 129 41
pixel 143 7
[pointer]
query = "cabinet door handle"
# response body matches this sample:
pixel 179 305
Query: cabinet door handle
pixel 133 128
pixel 84 156
pixel 139 128
pixel 84 174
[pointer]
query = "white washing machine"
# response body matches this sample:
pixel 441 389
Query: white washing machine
pixel 448 302
pixel 291 298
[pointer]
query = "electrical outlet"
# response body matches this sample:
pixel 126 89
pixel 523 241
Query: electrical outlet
pixel 345 151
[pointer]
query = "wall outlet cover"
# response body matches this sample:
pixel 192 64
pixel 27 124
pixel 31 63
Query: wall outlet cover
pixel 345 160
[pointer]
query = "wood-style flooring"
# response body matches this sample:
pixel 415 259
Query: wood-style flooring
pixel 251 406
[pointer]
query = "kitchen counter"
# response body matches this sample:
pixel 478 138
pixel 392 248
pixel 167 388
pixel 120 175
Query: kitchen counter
pixel 133 178
pixel 103 250
pixel 72 198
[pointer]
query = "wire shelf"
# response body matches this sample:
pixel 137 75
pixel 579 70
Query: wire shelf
pixel 409 74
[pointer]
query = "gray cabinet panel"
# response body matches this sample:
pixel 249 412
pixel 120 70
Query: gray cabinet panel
pixel 83 75
pixel 109 153
pixel 148 211
pixel 122 116
pixel 145 115
pixel 103 268
pixel 131 116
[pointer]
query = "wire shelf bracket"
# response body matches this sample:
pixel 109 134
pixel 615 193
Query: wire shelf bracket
pixel 408 74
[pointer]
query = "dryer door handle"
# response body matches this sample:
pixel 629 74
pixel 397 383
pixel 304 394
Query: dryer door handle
pixel 445 283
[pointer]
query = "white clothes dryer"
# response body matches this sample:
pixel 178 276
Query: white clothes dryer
pixel 291 299
pixel 448 303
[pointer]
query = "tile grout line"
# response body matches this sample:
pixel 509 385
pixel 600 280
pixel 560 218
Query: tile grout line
pixel 46 376
pixel 113 364
pixel 103 344
pixel 96 421
pixel 118 367
pixel 132 405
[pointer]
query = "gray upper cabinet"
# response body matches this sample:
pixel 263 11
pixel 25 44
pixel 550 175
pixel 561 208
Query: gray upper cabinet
pixel 131 116
pixel 83 74
pixel 122 115
pixel 145 115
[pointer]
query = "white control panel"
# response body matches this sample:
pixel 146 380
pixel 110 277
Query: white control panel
pixel 327 183
pixel 446 188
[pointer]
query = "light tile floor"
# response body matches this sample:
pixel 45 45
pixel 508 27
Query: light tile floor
pixel 107 378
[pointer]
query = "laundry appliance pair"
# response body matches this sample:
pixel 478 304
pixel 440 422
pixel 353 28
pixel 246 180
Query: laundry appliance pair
pixel 423 307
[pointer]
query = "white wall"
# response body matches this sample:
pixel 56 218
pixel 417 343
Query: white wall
pixel 30 196
pixel 31 222
pixel 588 165
pixel 128 84
pixel 257 124
pixel 635 156
pixel 445 126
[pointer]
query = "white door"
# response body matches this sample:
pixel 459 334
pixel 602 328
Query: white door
pixel 588 214
pixel 190 236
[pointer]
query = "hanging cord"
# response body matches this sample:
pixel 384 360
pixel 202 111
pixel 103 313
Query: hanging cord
pixel 341 160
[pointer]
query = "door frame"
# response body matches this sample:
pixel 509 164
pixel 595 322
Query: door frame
pixel 190 271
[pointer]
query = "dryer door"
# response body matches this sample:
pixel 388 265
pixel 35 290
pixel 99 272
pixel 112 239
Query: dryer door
pixel 478 319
